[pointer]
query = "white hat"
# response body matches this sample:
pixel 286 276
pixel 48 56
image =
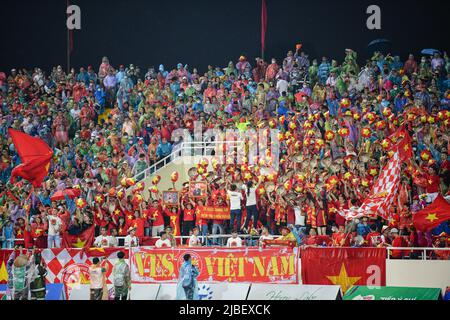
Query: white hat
pixel 394 230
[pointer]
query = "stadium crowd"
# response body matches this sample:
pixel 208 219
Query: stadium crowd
pixel 336 122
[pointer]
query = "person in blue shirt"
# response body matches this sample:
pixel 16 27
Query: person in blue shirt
pixel 363 228
pixel 100 96
pixel 8 235
pixel 164 148
pixel 197 106
pixel 83 76
pixel 324 70
pixel 120 74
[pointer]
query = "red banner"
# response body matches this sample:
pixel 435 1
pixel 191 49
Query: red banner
pixel 217 213
pixel 344 266
pixel 244 265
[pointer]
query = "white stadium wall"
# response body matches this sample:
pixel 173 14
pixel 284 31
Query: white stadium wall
pixel 418 273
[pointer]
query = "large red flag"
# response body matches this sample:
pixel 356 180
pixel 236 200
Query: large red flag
pixel 82 240
pixel 344 266
pixel 433 215
pixel 35 155
pixel 263 25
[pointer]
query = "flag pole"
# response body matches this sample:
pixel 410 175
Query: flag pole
pixel 263 27
pixel 68 41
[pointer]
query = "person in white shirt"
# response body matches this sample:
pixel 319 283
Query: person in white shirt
pixel 282 86
pixel 265 235
pixel 252 209
pixel 235 198
pixel 194 241
pixel 54 230
pixel 300 223
pixel 102 241
pixel 131 240
pixel 163 242
pixel 234 241
pixel 97 276
pixel 113 242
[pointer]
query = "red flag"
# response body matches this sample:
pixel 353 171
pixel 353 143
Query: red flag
pixel 83 240
pixel 263 25
pixel 433 215
pixel 35 155
pixel 344 266
pixel 403 147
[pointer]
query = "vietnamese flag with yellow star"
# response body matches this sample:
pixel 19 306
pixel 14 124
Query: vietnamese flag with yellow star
pixel 433 215
pixel 35 156
pixel 345 267
pixel 82 240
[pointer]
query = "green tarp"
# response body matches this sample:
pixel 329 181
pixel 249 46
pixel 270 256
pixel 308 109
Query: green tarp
pixel 392 293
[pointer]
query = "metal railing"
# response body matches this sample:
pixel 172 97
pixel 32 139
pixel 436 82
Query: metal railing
pixel 414 253
pixel 188 149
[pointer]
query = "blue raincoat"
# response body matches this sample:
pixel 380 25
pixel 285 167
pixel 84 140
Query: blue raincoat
pixel 187 277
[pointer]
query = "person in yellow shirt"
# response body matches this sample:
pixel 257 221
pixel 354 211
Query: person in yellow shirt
pixel 289 235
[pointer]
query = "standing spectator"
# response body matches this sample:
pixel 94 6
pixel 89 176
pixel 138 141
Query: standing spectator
pixel 252 209
pixel 97 276
pixel 38 272
pixel 54 230
pixel 122 278
pixel 187 288
pixel 235 199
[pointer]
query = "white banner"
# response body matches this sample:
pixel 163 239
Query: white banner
pixel 208 291
pixel 292 292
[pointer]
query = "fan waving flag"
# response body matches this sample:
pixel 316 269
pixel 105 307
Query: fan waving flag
pixel 433 215
pixel 35 155
pixel 382 194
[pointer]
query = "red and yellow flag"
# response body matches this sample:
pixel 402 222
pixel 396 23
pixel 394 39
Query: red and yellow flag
pixel 35 155
pixel 433 215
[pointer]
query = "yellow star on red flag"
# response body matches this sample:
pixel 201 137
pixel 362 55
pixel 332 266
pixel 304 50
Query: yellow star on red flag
pixel 343 279
pixel 431 217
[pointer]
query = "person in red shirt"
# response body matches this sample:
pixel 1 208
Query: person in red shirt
pixel 398 242
pixel 202 224
pixel 139 224
pixel 340 238
pixel 122 227
pixel 373 237
pixel 37 232
pixel 188 218
pixel 174 215
pixel 433 181
pixel 157 218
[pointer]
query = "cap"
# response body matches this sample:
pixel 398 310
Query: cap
pixel 394 230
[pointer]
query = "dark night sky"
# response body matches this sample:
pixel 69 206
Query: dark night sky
pixel 202 32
